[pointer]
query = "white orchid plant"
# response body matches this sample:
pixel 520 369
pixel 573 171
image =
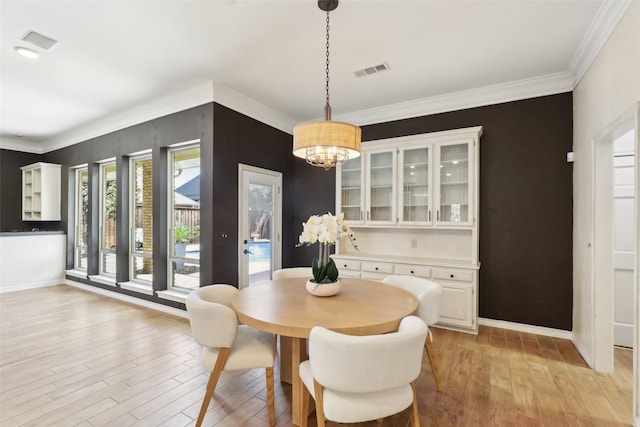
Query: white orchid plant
pixel 325 230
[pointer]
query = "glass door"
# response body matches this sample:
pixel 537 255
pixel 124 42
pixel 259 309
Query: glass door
pixel 454 184
pixel 260 222
pixel 381 187
pixel 351 193
pixel 415 200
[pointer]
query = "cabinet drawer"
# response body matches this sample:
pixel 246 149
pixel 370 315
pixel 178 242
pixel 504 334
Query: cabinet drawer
pixel 413 270
pixel 377 267
pixel 453 274
pixel 374 276
pixel 347 264
pixel 349 273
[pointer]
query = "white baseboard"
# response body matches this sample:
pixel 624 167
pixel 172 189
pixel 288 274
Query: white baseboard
pixel 636 422
pixel 25 286
pixel 521 327
pixel 127 298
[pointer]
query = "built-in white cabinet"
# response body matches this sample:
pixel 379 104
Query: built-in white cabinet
pixel 413 205
pixel 427 180
pixel 41 192
pixel 458 309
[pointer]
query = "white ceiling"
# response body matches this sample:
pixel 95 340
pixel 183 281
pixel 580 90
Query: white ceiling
pixel 115 57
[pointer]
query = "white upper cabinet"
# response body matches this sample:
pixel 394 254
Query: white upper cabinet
pixel 423 181
pixel 41 192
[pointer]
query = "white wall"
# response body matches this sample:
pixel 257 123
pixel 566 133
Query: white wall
pixel 608 90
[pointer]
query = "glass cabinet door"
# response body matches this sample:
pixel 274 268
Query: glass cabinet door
pixel 454 184
pixel 415 198
pixel 381 200
pixel 351 190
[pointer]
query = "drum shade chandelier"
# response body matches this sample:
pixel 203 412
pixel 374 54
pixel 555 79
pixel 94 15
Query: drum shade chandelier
pixel 326 143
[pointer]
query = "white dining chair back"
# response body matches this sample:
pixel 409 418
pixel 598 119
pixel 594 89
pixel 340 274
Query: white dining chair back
pixel 293 272
pixel 228 346
pixel 429 295
pixel 363 378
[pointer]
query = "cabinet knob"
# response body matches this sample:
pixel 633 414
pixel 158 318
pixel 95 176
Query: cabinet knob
pixel 376 268
pixel 451 275
pixel 411 271
pixel 345 266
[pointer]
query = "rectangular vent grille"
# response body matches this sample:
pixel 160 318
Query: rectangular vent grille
pixel 39 40
pixel 372 70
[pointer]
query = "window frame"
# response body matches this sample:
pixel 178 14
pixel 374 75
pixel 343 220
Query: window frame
pixel 102 249
pixel 171 256
pixel 78 202
pixel 133 252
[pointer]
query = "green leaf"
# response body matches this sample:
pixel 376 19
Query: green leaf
pixel 332 271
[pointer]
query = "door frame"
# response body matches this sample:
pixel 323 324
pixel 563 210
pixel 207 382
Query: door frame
pixel 276 241
pixel 602 289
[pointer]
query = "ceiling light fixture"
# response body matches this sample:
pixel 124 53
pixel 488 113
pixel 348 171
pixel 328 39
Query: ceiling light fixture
pixel 326 143
pixel 27 53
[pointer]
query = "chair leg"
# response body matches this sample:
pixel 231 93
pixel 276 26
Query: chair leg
pixel 304 420
pixel 213 381
pixel 317 388
pixel 416 418
pixel 270 399
pixel 432 358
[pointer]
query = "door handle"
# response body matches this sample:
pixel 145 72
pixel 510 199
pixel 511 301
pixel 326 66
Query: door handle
pixel 247 251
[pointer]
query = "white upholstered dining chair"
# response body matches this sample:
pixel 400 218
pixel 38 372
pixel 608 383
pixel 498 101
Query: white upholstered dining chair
pixel 363 378
pixel 292 272
pixel 429 295
pixel 228 346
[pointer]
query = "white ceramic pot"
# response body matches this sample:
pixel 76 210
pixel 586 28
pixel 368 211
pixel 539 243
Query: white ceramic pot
pixel 323 290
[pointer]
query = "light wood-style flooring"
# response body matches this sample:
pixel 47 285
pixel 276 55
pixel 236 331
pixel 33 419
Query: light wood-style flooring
pixel 73 358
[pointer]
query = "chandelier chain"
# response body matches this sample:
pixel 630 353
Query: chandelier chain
pixel 327 69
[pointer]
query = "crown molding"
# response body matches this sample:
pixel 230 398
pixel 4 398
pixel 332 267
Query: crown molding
pixel 549 84
pixel 19 144
pixel 603 25
pixel 173 103
pixel 249 107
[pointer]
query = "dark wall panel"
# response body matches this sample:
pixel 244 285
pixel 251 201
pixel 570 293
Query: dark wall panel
pixel 525 193
pixel 11 192
pixel 241 139
pixel 315 191
pixel 526 204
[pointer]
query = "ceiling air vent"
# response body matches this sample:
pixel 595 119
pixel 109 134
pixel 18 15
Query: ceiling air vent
pixel 39 40
pixel 372 70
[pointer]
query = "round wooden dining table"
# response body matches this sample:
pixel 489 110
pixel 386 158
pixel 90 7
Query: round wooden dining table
pixel 284 307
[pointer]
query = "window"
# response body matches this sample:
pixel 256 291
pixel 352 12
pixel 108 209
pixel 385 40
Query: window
pixel 184 218
pixel 141 235
pixel 108 219
pixel 81 213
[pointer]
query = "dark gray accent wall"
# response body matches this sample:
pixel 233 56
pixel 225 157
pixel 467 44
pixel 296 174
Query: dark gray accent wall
pixel 11 192
pixel 526 204
pixel 241 139
pixel 525 193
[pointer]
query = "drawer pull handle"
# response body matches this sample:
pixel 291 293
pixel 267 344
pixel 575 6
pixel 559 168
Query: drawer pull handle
pixel 345 266
pixel 376 268
pixel 451 276
pixel 411 271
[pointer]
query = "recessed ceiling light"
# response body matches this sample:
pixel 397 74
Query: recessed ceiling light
pixel 27 53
